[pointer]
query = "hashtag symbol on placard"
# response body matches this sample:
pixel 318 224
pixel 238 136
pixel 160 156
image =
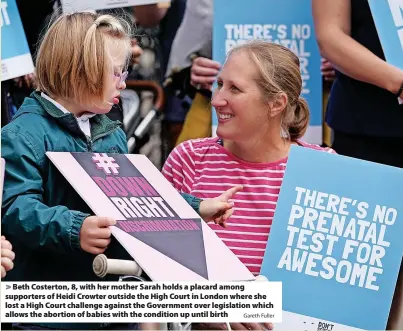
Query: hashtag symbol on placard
pixel 106 163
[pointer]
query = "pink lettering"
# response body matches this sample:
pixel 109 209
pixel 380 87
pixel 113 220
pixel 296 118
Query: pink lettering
pixel 104 186
pixel 126 226
pixel 145 186
pixel 131 186
pixel 160 225
pixel 125 186
pixel 119 189
pixel 190 225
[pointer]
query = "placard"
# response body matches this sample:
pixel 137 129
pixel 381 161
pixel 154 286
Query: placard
pixel 287 22
pixel 336 242
pixel 16 59
pixel 156 226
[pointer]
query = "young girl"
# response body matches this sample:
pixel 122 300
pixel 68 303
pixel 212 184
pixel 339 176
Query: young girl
pixel 80 72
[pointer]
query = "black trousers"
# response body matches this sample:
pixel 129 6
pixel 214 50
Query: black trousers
pixel 382 150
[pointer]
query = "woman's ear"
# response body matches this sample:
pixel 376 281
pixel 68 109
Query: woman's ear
pixel 278 104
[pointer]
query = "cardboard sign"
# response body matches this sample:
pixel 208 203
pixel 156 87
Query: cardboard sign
pixel 388 19
pixel 156 226
pixel 336 242
pixel 287 22
pixel 16 58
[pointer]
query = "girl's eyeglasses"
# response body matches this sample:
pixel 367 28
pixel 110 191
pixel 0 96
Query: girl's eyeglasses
pixel 122 77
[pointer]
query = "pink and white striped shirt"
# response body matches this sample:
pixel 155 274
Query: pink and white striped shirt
pixel 205 169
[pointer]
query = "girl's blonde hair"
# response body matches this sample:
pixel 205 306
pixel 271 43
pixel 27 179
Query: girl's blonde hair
pixel 73 59
pixel 279 71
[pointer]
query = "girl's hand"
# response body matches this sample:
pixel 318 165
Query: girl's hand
pixel 7 256
pixel 219 209
pixel 95 234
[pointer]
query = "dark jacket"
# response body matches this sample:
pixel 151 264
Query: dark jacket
pixel 360 108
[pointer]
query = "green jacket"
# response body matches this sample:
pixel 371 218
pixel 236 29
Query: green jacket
pixel 42 213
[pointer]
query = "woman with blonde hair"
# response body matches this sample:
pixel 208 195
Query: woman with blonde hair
pixel 260 115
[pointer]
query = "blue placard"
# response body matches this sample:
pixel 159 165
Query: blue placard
pixel 388 18
pixel 13 40
pixel 287 22
pixel 16 58
pixel 336 239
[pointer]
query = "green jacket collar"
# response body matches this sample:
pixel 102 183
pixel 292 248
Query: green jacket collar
pixel 101 125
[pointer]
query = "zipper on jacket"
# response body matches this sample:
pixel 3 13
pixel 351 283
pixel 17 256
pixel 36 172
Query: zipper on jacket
pixel 89 144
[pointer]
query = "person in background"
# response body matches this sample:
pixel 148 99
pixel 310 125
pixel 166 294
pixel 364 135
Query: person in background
pixel 7 256
pixel 260 116
pixel 198 122
pixel 328 75
pixel 194 40
pixel 204 70
pixel 14 91
pixel 363 109
pixel 168 20
pixel 34 24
